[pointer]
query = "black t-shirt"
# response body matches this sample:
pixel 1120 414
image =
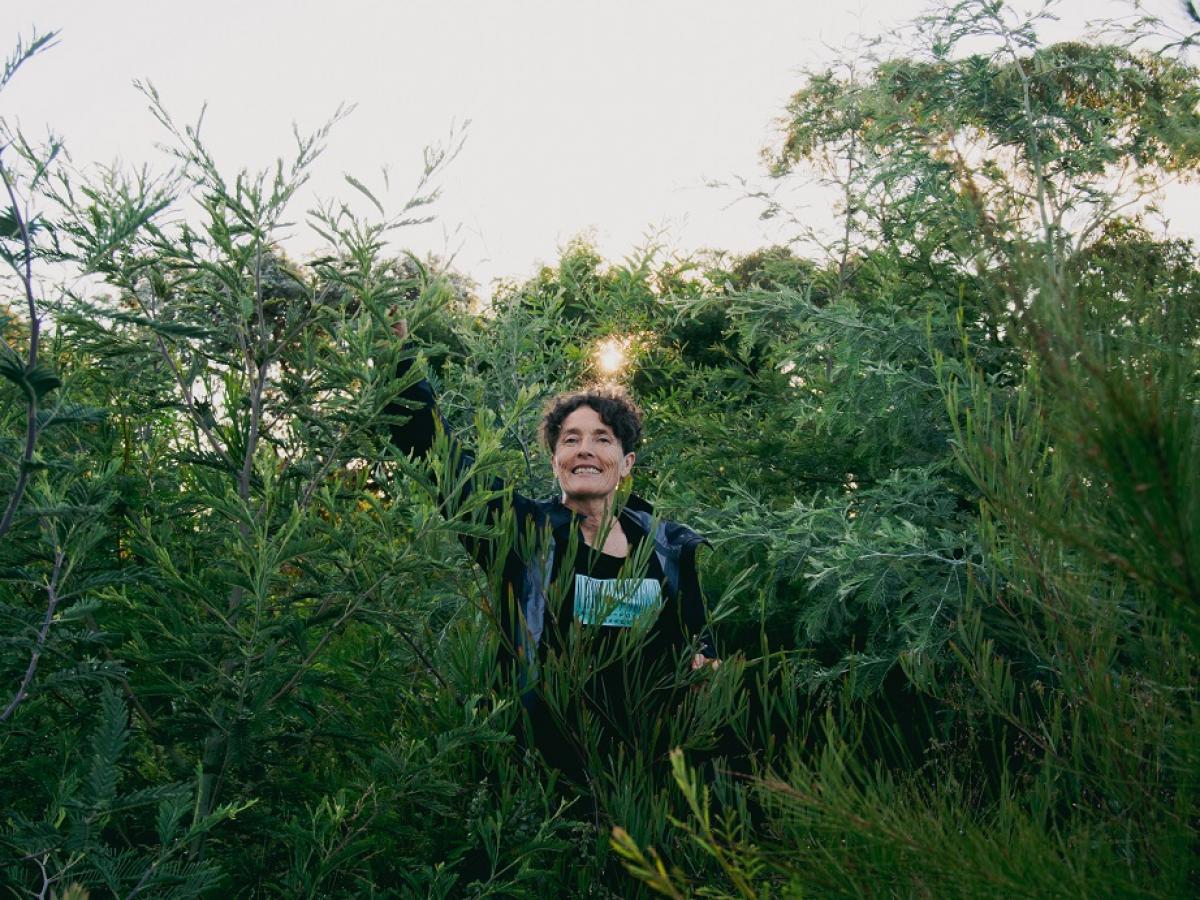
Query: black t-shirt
pixel 612 652
pixel 614 603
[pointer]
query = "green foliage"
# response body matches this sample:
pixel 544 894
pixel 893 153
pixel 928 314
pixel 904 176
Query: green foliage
pixel 948 472
pixel 73 843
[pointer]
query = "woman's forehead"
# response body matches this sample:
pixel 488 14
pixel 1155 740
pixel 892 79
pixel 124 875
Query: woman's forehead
pixel 584 419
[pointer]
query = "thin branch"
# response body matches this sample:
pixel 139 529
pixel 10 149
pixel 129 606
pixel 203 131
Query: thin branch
pixel 188 398
pixel 307 662
pixel 27 276
pixel 31 426
pixel 437 676
pixel 46 879
pixel 1032 140
pixel 51 606
pixel 257 369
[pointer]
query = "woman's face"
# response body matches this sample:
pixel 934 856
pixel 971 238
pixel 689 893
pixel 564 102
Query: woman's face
pixel 589 462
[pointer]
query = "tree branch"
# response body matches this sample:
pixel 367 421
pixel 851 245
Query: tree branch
pixel 31 426
pixel 51 606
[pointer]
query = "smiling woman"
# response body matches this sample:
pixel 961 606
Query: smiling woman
pixel 592 436
pixel 606 586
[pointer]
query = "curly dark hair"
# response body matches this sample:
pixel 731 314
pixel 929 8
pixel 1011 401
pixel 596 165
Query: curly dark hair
pixel 615 408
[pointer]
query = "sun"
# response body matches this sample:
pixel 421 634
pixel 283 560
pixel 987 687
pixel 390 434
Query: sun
pixel 610 356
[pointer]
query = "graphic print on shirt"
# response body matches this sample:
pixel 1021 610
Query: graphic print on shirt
pixel 616 602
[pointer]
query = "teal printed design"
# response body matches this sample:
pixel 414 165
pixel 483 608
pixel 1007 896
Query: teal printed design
pixel 616 602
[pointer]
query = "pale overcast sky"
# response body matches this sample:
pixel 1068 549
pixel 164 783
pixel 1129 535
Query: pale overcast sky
pixel 603 117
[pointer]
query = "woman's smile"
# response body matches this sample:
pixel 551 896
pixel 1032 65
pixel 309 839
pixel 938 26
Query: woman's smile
pixel 589 461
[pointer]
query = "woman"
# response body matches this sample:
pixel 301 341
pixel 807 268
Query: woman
pixel 600 608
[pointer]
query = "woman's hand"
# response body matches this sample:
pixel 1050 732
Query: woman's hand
pixel 699 661
pixel 400 326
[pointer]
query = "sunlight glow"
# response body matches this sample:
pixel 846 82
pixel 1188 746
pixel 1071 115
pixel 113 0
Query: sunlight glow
pixel 610 356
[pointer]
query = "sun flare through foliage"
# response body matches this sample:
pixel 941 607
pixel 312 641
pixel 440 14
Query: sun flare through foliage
pixel 612 355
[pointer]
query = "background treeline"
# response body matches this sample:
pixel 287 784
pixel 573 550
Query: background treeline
pixel 950 470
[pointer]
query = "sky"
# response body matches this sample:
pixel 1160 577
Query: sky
pixel 607 119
